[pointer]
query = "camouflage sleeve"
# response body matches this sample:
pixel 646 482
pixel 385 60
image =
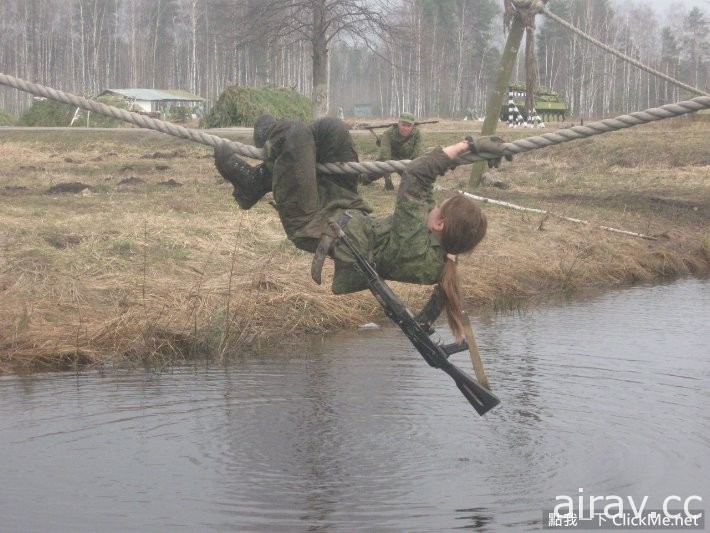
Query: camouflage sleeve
pixel 431 310
pixel 418 179
pixel 417 144
pixel 386 145
pixel 412 255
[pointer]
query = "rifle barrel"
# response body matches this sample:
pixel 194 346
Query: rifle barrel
pixel 480 398
pixel 377 126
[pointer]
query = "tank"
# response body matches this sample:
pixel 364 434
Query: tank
pixel 549 104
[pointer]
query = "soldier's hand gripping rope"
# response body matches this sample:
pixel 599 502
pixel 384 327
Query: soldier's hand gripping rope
pixel 489 145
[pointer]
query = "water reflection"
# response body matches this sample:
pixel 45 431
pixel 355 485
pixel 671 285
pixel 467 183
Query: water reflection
pixel 357 432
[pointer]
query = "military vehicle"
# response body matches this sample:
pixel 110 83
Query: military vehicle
pixel 549 105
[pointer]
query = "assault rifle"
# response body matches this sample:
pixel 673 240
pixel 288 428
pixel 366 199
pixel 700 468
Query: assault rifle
pixel 436 355
pixel 378 126
pixel 378 139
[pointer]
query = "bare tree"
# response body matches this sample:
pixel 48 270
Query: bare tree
pixel 670 63
pixel 433 57
pixel 696 46
pixel 320 23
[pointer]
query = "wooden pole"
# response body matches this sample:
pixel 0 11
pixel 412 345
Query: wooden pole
pixel 495 102
pixel 562 217
pixel 473 351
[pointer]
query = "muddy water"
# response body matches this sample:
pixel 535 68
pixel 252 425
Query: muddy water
pixel 608 394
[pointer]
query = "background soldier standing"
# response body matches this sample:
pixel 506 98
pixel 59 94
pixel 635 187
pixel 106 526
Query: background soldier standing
pixel 400 141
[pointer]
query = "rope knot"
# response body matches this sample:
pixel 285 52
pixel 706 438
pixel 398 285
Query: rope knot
pixel 527 9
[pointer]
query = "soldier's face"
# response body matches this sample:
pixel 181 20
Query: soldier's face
pixel 405 128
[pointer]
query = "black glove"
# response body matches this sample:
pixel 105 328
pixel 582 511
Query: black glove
pixel 490 145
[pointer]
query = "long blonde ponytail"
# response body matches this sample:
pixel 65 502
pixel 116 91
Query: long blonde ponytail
pixel 464 227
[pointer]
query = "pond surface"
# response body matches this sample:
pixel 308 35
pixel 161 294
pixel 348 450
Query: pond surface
pixel 609 395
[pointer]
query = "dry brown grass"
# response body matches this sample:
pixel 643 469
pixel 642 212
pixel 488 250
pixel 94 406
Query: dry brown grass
pixel 141 271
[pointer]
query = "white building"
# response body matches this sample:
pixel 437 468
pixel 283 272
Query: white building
pixel 154 101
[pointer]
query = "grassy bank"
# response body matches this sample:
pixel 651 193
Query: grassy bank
pixel 126 246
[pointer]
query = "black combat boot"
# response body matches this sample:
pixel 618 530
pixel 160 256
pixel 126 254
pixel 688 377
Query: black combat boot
pixel 250 183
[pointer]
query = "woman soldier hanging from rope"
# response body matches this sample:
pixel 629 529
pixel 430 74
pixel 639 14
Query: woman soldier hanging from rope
pixel 419 243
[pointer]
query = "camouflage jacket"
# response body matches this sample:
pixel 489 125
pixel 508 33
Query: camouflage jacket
pixel 394 147
pixel 400 246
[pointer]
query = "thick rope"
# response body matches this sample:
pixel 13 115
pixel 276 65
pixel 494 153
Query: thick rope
pixel 610 124
pixel 128 116
pixel 373 168
pixel 618 54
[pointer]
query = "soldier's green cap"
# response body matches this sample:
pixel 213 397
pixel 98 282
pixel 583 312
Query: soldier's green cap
pixel 407 117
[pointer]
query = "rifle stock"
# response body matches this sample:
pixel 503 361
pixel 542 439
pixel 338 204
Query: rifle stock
pixel 434 354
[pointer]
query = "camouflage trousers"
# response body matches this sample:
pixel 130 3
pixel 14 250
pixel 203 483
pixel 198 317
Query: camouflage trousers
pixel 301 194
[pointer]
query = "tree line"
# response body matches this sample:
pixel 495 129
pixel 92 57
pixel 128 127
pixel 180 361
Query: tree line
pixel 430 57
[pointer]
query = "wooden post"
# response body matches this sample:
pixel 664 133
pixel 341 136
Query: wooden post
pixel 473 350
pixel 495 102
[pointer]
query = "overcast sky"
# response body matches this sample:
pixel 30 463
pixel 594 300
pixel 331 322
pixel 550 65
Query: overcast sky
pixel 661 6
